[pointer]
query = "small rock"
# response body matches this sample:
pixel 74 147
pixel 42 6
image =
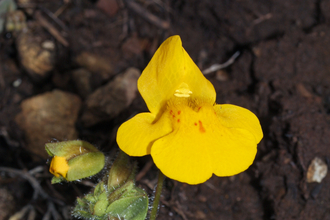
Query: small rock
pixel 134 46
pixel 317 170
pixel 37 60
pixel 95 64
pixel 200 215
pixel 110 7
pixel 81 79
pixel 202 198
pixel 48 116
pixel 109 100
pixel 303 91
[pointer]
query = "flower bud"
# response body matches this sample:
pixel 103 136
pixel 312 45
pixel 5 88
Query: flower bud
pixel 74 160
pixel 126 202
pixel 121 171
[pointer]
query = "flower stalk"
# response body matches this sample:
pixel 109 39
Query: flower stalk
pixel 158 192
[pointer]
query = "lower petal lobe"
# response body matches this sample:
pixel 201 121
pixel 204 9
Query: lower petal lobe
pixel 136 136
pixel 201 145
pixel 233 116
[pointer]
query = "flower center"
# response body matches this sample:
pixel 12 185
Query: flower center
pixel 189 114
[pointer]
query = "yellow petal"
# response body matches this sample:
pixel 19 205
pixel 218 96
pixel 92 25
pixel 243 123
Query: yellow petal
pixel 59 166
pixel 136 135
pixel 171 72
pixel 233 116
pixel 235 152
pixel 200 145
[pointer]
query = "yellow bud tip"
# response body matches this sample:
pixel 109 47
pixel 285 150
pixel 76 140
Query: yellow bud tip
pixel 59 166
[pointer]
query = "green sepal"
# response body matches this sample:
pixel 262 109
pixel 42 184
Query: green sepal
pixel 57 179
pixel 85 165
pixel 101 205
pixel 132 205
pixel 120 191
pixel 90 198
pixel 69 149
pixel 82 208
pixel 82 214
pixel 121 171
pixel 81 202
pixel 99 188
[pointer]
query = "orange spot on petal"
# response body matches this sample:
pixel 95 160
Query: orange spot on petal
pixel 201 128
pixel 195 124
pixel 179 112
pixel 178 120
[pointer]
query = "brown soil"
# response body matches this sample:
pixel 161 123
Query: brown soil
pixel 282 75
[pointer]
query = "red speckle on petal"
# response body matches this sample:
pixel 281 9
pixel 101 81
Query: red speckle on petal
pixel 201 128
pixel 173 116
pixel 179 112
pixel 178 120
pixel 171 112
pixel 195 124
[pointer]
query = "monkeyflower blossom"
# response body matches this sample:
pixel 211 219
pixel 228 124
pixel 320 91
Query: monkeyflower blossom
pixel 188 135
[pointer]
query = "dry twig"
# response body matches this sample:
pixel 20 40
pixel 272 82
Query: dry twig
pixel 144 170
pixel 216 67
pixel 34 183
pixel 54 18
pixel 51 29
pixel 51 210
pixel 8 139
pixel 176 207
pixel 21 213
pixel 147 15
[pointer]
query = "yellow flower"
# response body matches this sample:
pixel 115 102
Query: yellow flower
pixel 59 166
pixel 188 136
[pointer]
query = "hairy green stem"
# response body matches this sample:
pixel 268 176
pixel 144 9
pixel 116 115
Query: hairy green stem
pixel 158 192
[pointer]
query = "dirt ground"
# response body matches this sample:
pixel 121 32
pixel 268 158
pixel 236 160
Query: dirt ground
pixel 68 74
